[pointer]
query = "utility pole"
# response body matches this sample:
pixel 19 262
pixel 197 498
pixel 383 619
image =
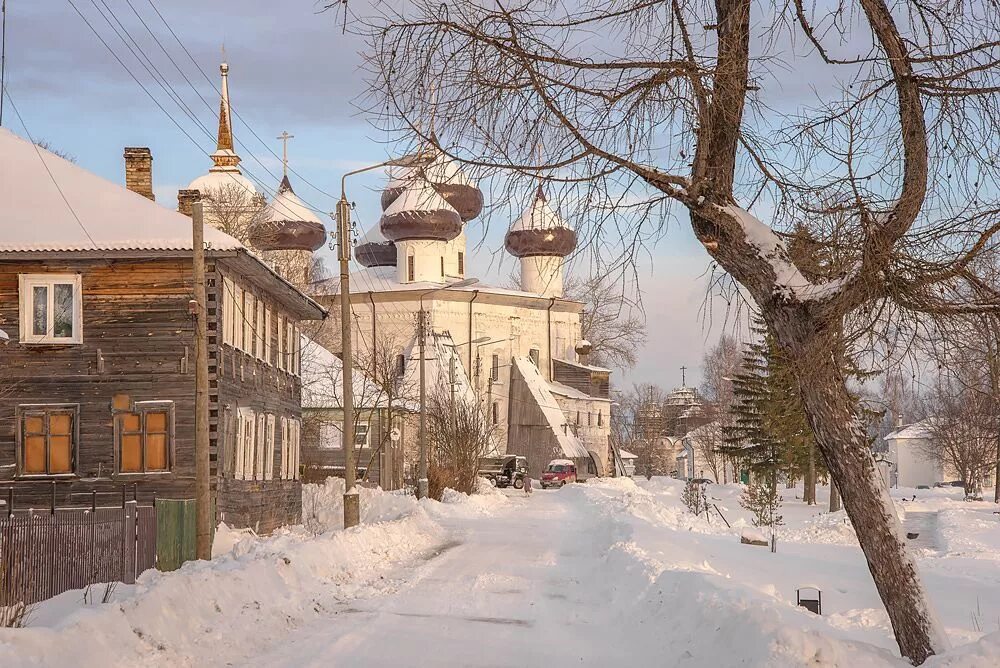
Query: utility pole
pixel 202 488
pixel 352 509
pixel 422 485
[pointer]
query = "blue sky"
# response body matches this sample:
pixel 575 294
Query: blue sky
pixel 291 69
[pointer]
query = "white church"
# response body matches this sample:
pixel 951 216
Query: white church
pixel 518 352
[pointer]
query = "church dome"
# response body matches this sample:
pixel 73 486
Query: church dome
pixel 540 232
pixel 374 250
pixel 446 178
pixel 419 212
pixel 224 183
pixel 287 224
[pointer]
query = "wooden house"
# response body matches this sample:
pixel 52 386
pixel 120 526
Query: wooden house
pixel 97 379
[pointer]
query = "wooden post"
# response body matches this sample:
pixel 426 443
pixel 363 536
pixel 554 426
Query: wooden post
pixel 202 488
pixel 422 483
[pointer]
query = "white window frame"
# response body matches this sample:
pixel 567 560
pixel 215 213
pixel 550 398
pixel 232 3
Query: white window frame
pixel 296 429
pixel 248 316
pixel 269 449
pixel 239 445
pixel 258 335
pixel 238 317
pixel 280 361
pixel 26 285
pixel 267 335
pixel 260 447
pixel 248 423
pixel 285 442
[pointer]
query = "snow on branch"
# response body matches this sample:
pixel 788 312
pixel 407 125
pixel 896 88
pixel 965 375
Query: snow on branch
pixel 789 283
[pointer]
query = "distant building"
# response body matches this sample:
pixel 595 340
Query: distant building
pixel 98 375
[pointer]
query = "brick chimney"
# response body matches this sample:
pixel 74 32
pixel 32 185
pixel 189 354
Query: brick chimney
pixel 139 171
pixel 185 198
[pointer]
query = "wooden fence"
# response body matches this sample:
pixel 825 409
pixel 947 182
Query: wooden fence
pixel 46 552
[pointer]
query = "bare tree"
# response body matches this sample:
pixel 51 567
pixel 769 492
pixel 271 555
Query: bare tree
pixel 706 441
pixel 611 321
pixel 963 426
pixel 638 426
pixel 460 434
pixel 718 368
pixel 636 104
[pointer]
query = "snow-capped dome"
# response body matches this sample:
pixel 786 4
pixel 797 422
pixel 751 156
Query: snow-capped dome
pixel 374 250
pixel 287 224
pixel 224 181
pixel 539 231
pixel 446 178
pixel 419 212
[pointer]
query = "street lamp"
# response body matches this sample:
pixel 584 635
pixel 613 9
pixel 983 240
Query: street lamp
pixel 422 485
pixel 352 509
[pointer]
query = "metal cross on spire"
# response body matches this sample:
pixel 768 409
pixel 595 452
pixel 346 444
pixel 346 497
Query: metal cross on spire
pixel 683 376
pixel 284 137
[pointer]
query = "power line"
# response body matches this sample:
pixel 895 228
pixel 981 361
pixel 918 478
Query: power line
pixel 38 152
pixel 235 111
pixel 3 53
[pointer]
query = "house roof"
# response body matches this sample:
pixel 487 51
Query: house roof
pixel 51 204
pixel 917 430
pixel 570 445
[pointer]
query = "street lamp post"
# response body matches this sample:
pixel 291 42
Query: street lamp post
pixel 352 508
pixel 422 485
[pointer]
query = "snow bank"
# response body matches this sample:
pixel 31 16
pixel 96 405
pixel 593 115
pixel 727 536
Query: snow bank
pixel 323 505
pixel 485 502
pixel 226 610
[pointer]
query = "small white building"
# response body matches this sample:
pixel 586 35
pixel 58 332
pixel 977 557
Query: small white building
pixel 907 461
pixel 628 462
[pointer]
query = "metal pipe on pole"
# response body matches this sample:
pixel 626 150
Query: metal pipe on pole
pixel 202 486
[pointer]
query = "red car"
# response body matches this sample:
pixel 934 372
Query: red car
pixel 558 473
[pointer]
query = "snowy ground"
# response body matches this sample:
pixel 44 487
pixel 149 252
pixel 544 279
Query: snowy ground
pixel 611 571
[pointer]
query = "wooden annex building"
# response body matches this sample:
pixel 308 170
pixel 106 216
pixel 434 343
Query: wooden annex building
pixel 97 379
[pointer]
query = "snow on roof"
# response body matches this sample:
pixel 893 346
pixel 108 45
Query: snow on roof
pixel 540 392
pixel 538 216
pixel 625 454
pixel 572 393
pixel 418 196
pixel 35 217
pixel 373 236
pixel 223 178
pixel 581 365
pixel 288 207
pixel 441 170
pixel 385 279
pixel 323 385
pixel 917 430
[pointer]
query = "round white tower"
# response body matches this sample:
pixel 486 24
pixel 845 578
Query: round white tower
pixel 541 240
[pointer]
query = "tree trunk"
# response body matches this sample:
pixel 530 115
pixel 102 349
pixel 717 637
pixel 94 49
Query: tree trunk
pixel 844 444
pixel 834 496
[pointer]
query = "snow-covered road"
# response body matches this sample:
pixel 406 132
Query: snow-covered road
pixel 526 582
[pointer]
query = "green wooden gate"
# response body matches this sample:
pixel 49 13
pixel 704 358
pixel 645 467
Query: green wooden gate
pixel 176 533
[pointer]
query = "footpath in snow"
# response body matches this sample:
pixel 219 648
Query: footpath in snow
pixel 608 572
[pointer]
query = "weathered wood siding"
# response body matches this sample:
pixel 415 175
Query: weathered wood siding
pixel 135 319
pixel 588 381
pixel 138 340
pixel 243 381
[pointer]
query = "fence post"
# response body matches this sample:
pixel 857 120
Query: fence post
pixel 130 538
pixel 53 506
pixel 10 502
